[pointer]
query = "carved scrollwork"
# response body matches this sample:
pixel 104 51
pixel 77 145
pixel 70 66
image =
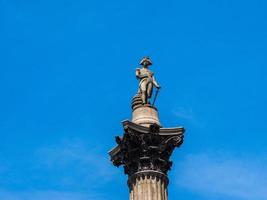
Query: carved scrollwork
pixel 143 148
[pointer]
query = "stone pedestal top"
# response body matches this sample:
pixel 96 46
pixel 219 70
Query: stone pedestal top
pixel 145 115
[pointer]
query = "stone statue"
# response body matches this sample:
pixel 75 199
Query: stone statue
pixel 147 80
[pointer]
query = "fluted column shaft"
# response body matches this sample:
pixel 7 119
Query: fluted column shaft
pixel 148 187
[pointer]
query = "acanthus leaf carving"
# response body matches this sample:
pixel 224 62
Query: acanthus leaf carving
pixel 145 149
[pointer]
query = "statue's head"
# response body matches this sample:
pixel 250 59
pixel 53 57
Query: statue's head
pixel 146 61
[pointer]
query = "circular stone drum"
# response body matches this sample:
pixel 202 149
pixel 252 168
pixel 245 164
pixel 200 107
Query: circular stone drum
pixel 145 115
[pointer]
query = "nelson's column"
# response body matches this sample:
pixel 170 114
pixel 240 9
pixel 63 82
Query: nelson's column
pixel 145 148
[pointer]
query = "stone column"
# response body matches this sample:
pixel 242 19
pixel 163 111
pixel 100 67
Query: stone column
pixel 144 151
pixel 148 185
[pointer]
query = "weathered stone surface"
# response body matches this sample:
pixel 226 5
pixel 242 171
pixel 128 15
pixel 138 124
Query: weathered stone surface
pixel 145 152
pixel 145 115
pixel 147 81
pixel 148 187
pixel 146 148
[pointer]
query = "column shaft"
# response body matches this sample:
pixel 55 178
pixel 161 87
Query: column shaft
pixel 148 188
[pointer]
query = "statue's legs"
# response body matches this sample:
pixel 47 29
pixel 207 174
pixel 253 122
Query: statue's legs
pixel 149 90
pixel 143 96
pixel 143 90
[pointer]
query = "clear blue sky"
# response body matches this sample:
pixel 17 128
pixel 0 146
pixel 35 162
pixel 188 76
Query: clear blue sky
pixel 67 79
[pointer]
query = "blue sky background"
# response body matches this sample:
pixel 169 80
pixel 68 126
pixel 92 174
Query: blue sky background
pixel 67 79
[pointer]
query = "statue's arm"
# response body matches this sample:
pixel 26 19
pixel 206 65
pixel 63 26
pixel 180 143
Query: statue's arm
pixel 137 72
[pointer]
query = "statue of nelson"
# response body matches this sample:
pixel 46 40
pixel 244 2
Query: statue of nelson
pixel 147 80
